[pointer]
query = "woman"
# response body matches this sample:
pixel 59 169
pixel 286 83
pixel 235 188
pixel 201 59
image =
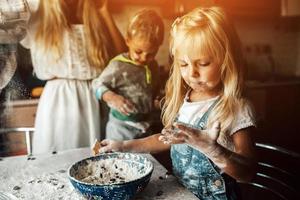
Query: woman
pixel 70 43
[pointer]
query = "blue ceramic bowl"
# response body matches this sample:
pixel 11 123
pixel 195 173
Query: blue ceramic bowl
pixel 137 167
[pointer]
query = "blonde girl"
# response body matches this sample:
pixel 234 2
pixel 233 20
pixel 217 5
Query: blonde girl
pixel 207 122
pixel 70 43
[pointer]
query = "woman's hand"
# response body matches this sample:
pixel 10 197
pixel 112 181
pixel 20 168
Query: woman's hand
pixel 116 36
pixel 107 146
pixel 102 4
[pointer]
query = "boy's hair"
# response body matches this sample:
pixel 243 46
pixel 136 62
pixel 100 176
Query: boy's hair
pixel 208 31
pixel 148 25
pixel 53 24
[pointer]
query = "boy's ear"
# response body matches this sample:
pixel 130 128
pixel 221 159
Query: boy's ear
pixel 127 41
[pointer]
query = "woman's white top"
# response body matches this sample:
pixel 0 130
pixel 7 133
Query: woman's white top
pixel 73 64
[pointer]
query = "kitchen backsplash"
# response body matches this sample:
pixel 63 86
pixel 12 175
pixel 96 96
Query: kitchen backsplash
pixel 282 37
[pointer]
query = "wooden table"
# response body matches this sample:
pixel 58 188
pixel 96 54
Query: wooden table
pixel 45 177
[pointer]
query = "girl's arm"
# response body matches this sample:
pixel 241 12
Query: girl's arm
pixel 150 144
pixel 240 164
pixel 118 39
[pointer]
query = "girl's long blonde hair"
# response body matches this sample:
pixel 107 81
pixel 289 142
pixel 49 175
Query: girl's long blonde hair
pixel 209 30
pixel 52 24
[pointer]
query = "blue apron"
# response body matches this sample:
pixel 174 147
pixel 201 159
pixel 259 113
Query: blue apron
pixel 199 174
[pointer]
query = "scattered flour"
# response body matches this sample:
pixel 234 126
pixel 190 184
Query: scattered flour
pixel 52 186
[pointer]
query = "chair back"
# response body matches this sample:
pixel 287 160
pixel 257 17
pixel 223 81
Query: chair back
pixel 277 176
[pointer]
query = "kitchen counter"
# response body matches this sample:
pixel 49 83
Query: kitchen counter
pixel 23 102
pixel 271 83
pixel 45 177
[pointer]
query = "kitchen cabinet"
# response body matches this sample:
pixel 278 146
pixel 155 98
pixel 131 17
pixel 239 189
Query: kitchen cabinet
pixel 290 7
pixel 18 113
pixel 175 8
pixel 252 8
pixel 169 8
pixel 117 5
pixel 278 112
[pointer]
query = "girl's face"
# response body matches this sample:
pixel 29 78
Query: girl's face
pixel 200 72
pixel 141 51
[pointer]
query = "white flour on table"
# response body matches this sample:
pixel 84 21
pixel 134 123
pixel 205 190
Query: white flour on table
pixel 51 186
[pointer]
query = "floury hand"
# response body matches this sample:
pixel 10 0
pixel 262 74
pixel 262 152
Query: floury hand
pixel 107 146
pixel 119 103
pixel 182 133
pixel 203 140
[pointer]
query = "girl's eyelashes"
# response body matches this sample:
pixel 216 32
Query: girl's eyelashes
pixel 197 63
pixel 182 64
pixel 203 64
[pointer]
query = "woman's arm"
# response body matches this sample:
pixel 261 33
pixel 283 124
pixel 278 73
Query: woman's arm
pixel 118 39
pixel 149 144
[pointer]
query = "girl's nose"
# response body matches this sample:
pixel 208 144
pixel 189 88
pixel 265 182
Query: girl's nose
pixel 193 72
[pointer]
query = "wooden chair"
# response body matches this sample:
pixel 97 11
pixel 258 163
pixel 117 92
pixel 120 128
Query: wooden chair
pixel 277 177
pixel 26 130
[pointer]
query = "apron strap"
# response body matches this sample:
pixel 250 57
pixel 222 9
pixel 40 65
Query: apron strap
pixel 203 120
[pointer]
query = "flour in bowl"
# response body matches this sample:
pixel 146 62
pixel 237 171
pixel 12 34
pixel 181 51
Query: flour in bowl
pixel 108 171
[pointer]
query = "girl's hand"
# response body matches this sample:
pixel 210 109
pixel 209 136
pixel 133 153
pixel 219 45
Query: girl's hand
pixel 168 136
pixel 203 140
pixel 107 146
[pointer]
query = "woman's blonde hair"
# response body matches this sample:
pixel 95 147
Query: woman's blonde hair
pixel 146 24
pixel 209 30
pixel 53 24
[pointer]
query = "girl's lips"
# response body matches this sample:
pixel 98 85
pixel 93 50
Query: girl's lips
pixel 198 83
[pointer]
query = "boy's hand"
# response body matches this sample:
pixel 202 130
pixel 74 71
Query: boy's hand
pixel 157 103
pixel 122 104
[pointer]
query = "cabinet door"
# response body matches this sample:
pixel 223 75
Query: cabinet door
pixel 20 114
pixel 253 8
pixel 290 7
pixel 117 5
